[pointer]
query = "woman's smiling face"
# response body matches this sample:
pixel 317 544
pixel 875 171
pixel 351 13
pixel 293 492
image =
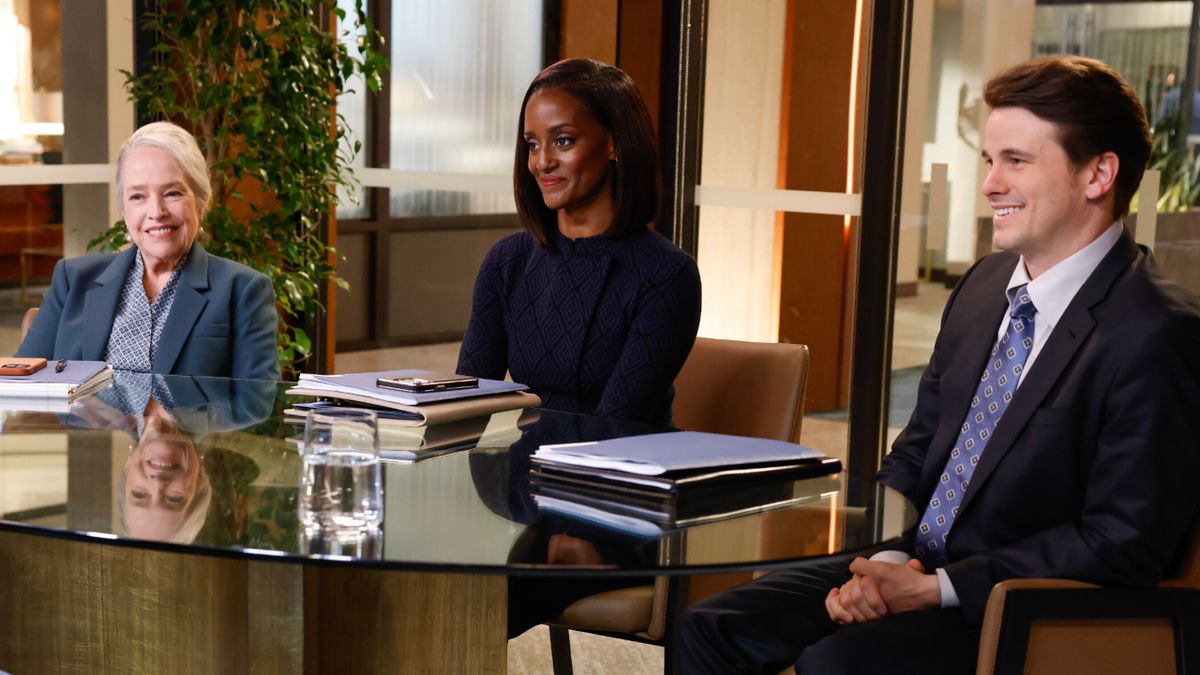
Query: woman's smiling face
pixel 161 477
pixel 158 205
pixel 570 153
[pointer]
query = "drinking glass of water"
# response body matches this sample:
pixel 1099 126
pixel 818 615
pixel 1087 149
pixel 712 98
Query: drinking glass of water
pixel 359 543
pixel 341 487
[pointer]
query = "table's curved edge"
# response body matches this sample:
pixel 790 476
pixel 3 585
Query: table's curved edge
pixel 519 570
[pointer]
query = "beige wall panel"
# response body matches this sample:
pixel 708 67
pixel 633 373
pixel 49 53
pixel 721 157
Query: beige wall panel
pixel 912 214
pixel 121 120
pixel 995 35
pixel 744 73
pixel 971 42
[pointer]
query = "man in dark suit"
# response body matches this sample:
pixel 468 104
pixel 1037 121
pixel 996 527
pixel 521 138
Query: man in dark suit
pixel 1057 424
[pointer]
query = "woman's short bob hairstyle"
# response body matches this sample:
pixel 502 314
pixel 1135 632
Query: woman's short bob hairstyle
pixel 613 100
pixel 195 512
pixel 179 144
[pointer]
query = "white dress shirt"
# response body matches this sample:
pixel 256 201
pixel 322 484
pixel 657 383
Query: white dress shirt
pixel 1051 293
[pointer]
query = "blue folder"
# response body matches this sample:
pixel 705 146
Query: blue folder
pixel 676 452
pixel 364 383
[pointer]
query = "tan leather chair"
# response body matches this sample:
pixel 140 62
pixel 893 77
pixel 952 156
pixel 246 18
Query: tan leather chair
pixel 27 321
pixel 728 387
pixel 1042 626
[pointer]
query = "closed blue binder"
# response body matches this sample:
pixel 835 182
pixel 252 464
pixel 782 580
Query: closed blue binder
pixel 676 452
pixel 364 383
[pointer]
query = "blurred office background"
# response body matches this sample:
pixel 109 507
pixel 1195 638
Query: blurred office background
pixel 763 117
pixel 764 111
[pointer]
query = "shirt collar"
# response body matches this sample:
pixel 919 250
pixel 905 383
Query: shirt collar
pixel 1054 289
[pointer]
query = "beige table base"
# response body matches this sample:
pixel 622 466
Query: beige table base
pixel 87 607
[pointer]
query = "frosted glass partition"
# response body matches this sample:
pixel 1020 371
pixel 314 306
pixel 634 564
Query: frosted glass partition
pixel 459 71
pixel 352 106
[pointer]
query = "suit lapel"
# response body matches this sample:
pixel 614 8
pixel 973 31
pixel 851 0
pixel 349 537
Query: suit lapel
pixel 1072 329
pixel 962 376
pixel 185 309
pixel 100 304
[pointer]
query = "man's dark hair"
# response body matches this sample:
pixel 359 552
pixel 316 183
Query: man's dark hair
pixel 1095 111
pixel 613 100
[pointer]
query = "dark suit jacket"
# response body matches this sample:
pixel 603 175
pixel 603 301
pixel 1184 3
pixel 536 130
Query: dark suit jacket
pixel 1091 473
pixel 222 321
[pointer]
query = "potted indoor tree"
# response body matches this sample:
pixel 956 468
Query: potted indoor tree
pixel 257 82
pixel 1177 234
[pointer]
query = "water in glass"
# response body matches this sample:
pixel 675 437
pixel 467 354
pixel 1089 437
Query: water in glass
pixel 341 485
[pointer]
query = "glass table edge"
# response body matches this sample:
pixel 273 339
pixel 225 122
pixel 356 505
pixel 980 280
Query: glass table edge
pixel 521 570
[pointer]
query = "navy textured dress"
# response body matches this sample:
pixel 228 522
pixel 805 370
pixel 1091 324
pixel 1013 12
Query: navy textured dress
pixel 599 325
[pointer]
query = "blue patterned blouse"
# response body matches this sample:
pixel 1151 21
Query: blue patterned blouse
pixel 132 392
pixel 139 323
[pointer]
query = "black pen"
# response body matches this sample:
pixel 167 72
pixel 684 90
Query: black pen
pixel 60 366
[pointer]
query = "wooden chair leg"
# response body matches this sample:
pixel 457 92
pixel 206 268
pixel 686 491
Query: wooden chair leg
pixel 560 650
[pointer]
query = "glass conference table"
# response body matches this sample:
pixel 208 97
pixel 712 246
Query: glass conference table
pixel 154 526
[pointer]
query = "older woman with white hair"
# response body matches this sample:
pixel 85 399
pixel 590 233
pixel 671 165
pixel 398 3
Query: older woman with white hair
pixel 164 305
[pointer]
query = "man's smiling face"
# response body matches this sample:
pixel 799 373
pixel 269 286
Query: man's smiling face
pixel 1038 196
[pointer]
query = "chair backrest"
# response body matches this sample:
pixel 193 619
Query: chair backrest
pixel 27 321
pixel 742 388
pixel 1185 572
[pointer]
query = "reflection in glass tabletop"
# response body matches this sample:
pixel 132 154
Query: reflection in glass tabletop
pixel 213 466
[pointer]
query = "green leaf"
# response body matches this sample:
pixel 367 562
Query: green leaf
pixel 303 343
pixel 261 114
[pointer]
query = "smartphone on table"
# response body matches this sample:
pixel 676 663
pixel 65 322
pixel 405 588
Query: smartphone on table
pixel 15 366
pixel 428 382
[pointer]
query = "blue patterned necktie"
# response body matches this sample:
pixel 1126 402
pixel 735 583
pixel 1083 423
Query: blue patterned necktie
pixel 992 396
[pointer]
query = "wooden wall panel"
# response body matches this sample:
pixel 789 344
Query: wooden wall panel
pixel 640 49
pixel 625 33
pixel 813 156
pixel 812 295
pixel 589 30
